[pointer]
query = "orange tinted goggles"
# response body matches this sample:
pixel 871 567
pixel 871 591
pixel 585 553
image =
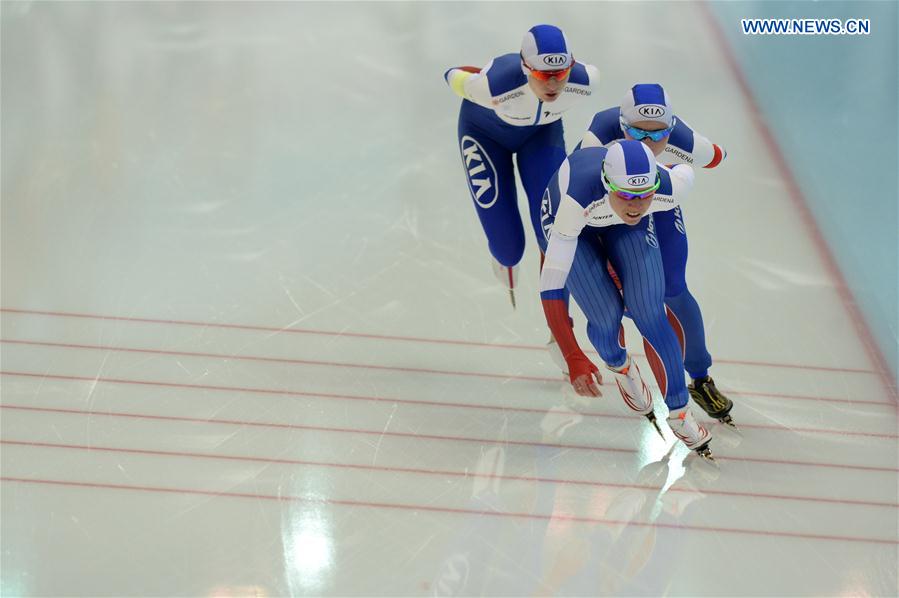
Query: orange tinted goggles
pixel 547 75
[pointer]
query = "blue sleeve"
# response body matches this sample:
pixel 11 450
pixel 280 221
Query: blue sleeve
pixel 682 137
pixel 579 75
pixel 505 74
pixel 585 175
pixel 665 187
pixel 605 125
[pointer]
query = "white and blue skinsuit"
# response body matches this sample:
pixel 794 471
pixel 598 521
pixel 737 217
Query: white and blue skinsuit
pixel 685 146
pixel 582 233
pixel 501 116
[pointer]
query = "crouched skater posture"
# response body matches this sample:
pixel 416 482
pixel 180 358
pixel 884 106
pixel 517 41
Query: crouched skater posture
pixel 513 108
pixel 595 210
pixel 645 114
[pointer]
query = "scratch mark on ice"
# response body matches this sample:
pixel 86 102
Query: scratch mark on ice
pixel 381 437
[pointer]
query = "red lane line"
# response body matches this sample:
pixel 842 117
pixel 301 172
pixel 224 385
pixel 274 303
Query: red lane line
pixel 389 337
pixel 801 204
pixel 284 360
pixel 416 436
pixel 439 404
pixel 747 393
pixel 433 509
pixel 556 380
pixel 440 472
pixel 293 393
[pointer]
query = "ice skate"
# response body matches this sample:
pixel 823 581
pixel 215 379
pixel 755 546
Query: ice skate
pixel 508 276
pixel 693 434
pixel 705 394
pixel 635 393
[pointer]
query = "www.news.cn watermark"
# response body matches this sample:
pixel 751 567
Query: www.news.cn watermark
pixel 806 26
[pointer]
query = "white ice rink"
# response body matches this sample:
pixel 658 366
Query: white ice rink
pixel 252 343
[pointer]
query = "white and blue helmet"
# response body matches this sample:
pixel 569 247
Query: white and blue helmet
pixel 544 48
pixel 630 164
pixel 646 101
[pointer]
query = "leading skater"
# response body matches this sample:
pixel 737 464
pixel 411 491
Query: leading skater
pixel 514 106
pixel 594 211
pixel 645 115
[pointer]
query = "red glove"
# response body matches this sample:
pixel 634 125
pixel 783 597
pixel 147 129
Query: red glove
pixel 584 376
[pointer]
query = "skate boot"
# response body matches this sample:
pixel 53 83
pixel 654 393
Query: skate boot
pixel 508 276
pixel 555 353
pixel 634 391
pixel 685 427
pixel 704 392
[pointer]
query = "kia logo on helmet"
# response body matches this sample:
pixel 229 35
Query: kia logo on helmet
pixel 555 59
pixel 637 181
pixel 652 111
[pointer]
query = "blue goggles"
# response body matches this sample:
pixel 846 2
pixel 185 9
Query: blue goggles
pixel 640 134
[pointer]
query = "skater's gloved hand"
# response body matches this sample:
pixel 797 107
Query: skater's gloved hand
pixel 584 376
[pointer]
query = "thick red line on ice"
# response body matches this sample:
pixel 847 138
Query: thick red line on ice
pixel 441 404
pixel 433 509
pixel 439 472
pixel 414 339
pixel 805 214
pixel 416 436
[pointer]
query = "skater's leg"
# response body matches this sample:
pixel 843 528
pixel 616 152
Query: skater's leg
pixel 491 183
pixel 633 251
pixel 685 315
pixel 598 297
pixel 538 160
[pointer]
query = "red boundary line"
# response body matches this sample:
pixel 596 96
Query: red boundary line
pixel 401 369
pixel 434 509
pixel 418 402
pixel 805 214
pixel 416 436
pixel 388 337
pixel 440 472
pixel 287 360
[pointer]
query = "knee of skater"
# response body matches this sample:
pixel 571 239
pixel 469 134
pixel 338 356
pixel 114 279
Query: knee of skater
pixel 605 339
pixel 508 256
pixel 604 326
pixel 676 287
pixel 647 311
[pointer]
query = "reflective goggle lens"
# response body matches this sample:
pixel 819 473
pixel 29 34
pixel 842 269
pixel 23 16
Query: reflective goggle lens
pixel 640 134
pixel 547 75
pixel 628 196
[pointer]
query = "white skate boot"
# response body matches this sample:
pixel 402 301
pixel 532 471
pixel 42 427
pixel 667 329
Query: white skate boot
pixel 508 276
pixel 694 435
pixel 634 391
